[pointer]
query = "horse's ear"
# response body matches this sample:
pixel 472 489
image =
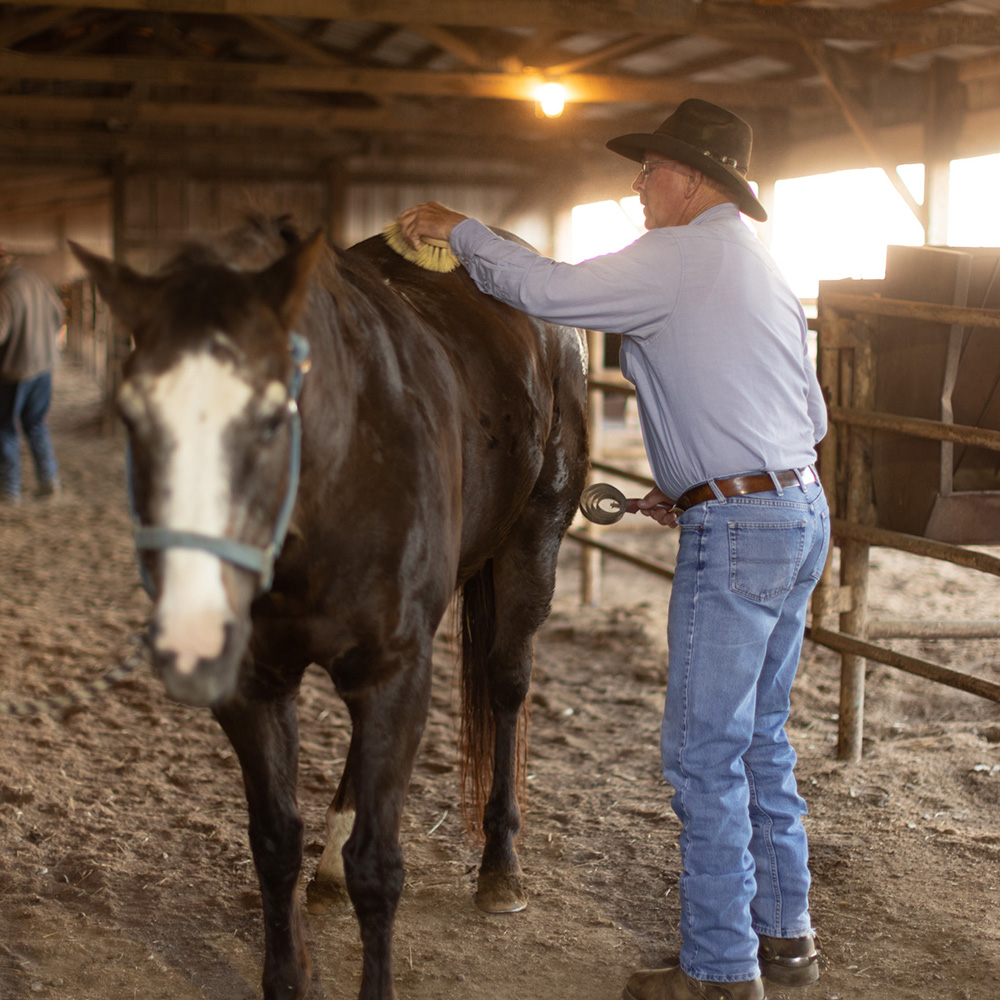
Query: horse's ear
pixel 126 292
pixel 284 285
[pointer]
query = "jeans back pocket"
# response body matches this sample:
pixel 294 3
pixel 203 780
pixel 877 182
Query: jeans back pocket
pixel 764 558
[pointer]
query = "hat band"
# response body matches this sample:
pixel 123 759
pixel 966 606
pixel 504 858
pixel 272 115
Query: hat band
pixel 726 161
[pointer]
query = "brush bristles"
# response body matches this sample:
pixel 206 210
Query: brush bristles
pixel 433 255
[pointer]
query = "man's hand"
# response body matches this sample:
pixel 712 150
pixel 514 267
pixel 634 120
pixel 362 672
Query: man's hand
pixel 431 220
pixel 657 505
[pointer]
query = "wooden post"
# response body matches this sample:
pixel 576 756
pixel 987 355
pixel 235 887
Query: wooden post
pixel 590 567
pixel 942 126
pixel 854 553
pixel 335 180
pixel 118 342
pixel 825 600
pixel 74 321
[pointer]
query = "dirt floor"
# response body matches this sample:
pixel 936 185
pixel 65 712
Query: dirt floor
pixel 124 866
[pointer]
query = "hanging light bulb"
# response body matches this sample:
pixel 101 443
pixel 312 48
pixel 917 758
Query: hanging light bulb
pixel 551 98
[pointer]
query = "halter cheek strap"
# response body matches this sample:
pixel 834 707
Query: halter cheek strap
pixel 249 557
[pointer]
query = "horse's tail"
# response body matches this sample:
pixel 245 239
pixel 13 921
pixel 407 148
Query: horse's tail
pixel 479 633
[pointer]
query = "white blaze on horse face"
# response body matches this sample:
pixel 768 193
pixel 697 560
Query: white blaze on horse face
pixel 196 402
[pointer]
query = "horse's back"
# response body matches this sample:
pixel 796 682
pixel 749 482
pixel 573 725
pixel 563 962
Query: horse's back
pixel 520 394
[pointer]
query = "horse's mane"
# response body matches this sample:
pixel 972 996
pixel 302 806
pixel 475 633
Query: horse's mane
pixel 257 242
pixel 260 240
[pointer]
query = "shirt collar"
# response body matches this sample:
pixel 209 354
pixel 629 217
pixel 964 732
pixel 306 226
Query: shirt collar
pixel 726 208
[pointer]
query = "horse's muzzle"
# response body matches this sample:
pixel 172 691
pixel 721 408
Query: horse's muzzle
pixel 209 681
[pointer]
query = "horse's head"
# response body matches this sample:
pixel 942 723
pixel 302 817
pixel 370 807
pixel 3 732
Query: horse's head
pixel 208 398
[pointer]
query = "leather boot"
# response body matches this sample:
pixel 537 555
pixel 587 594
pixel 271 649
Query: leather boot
pixel 789 961
pixel 675 984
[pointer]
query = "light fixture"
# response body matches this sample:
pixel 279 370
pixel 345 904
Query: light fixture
pixel 551 98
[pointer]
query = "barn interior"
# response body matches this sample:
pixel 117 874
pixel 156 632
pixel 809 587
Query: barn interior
pixel 130 123
pixel 131 126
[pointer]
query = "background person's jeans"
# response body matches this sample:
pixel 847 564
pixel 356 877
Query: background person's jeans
pixel 26 403
pixel 746 567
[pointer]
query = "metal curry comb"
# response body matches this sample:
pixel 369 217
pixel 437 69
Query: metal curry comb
pixel 602 503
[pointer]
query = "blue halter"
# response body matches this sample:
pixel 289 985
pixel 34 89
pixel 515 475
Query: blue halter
pixel 257 560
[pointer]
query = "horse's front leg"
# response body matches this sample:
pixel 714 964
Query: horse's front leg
pixel 265 736
pixel 387 722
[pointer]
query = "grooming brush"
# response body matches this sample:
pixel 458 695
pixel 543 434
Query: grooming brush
pixel 602 503
pixel 433 255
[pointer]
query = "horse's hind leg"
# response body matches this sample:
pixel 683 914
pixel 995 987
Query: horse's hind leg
pixel 328 887
pixel 265 737
pixel 523 582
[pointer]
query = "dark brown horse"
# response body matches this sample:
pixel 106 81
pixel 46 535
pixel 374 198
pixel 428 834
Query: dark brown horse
pixel 443 447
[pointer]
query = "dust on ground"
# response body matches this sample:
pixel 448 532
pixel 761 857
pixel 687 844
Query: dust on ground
pixel 124 866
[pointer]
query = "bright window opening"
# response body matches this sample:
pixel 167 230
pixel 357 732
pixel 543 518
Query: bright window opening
pixel 829 226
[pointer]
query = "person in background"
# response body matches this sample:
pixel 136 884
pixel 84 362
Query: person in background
pixel 31 316
pixel 714 341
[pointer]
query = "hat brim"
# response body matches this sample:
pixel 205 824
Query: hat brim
pixel 635 145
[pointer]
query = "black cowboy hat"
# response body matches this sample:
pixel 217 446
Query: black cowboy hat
pixel 706 137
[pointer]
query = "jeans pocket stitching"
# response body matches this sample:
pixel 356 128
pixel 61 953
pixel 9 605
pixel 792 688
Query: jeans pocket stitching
pixel 793 565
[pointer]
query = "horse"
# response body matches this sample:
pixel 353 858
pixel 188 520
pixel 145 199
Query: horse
pixel 329 448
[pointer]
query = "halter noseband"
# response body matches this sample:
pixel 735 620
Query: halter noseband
pixel 257 560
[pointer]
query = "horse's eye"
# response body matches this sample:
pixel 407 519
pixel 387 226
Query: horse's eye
pixel 274 410
pixel 270 422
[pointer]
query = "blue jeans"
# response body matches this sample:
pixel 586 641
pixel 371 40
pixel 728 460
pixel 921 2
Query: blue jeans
pixel 746 567
pixel 26 403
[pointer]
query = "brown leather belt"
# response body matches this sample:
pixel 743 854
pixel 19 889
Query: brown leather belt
pixel 739 486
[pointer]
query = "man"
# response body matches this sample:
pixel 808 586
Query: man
pixel 30 318
pixel 730 408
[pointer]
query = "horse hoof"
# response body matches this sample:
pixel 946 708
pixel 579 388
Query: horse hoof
pixel 500 894
pixel 322 897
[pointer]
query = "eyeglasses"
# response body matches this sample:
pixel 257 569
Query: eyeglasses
pixel 649 166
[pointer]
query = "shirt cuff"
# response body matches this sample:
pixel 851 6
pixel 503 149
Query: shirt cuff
pixel 468 236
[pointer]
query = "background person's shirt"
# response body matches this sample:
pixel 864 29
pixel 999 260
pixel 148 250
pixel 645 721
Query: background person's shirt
pixel 30 318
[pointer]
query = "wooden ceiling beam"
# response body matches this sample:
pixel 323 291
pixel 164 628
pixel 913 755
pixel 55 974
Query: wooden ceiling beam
pixel 979 69
pixel 15 30
pixel 495 162
pixel 581 88
pixel 626 47
pixel 856 24
pixel 467 54
pixel 78 146
pixel 291 43
pixel 681 17
pixel 861 126
pixel 15 199
pixel 121 113
pixel 299 124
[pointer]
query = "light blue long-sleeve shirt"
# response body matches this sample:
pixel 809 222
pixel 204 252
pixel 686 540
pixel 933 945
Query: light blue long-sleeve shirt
pixel 714 340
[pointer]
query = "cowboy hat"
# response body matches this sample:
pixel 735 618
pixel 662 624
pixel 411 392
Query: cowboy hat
pixel 706 137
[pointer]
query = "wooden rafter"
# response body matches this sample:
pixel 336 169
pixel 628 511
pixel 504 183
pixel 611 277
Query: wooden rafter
pixel 25 27
pixel 858 120
pixel 505 86
pixel 291 43
pixel 681 17
pixel 625 47
pixel 467 54
pixel 325 74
